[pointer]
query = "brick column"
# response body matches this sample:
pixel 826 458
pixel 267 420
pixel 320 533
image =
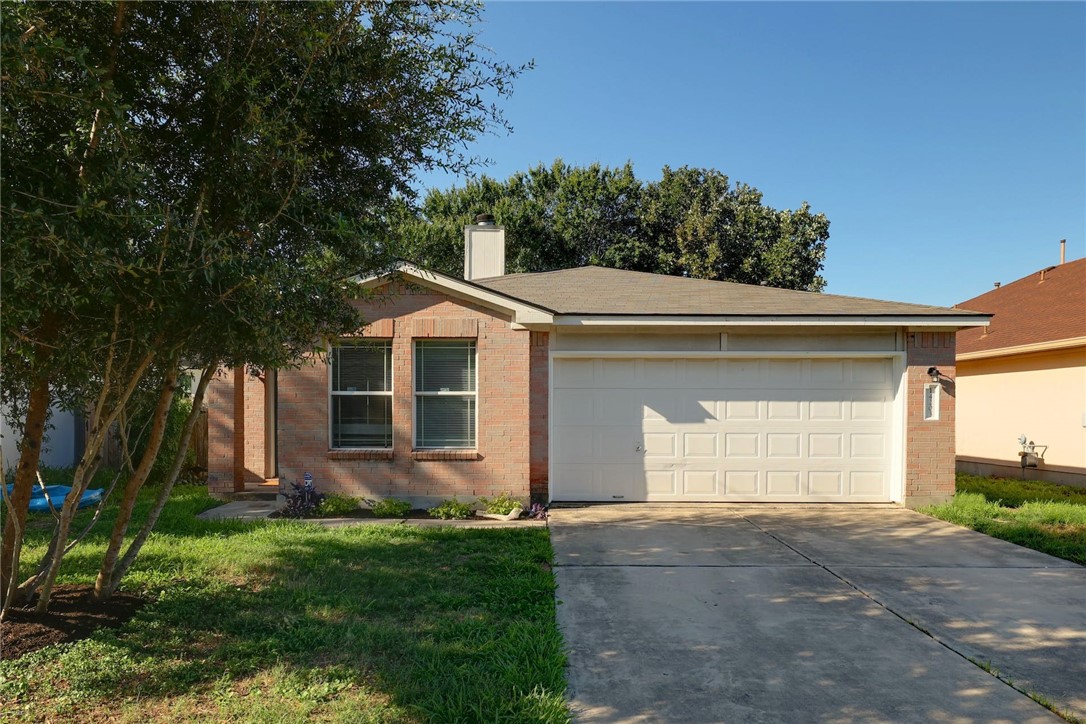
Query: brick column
pixel 538 416
pixel 929 444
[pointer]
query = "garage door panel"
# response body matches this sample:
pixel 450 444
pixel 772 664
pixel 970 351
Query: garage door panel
pixel 784 482
pixel 867 483
pixel 867 445
pixel 575 444
pixel 742 410
pixel 787 430
pixel 741 445
pixel 575 407
pixel 784 445
pixel 741 482
pixel 701 444
pixel 660 482
pixel 660 445
pixel 824 483
pixel 783 410
pixel 701 483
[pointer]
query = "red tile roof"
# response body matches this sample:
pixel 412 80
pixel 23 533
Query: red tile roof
pixel 1030 310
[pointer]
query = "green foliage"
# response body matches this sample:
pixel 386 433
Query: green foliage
pixel 692 222
pixel 192 184
pixel 138 434
pixel 504 504
pixel 1043 516
pixel 451 509
pixel 335 505
pixel 298 622
pixel 389 507
pixel 1013 493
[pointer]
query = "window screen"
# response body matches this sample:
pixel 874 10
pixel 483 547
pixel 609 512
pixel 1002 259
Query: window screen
pixel 445 393
pixel 361 395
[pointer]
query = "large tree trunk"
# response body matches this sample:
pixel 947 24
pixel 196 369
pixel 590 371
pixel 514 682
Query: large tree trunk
pixel 103 586
pixel 167 486
pixel 19 501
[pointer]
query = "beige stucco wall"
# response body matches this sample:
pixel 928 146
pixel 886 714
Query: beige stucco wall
pixel 1041 395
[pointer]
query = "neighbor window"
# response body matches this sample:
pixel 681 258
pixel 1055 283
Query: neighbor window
pixel 445 397
pixel 931 401
pixel 361 395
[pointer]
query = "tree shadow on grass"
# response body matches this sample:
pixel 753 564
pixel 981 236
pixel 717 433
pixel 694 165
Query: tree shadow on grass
pixel 445 624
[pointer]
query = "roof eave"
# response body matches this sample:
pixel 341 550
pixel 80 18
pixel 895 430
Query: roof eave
pixel 521 311
pixel 954 321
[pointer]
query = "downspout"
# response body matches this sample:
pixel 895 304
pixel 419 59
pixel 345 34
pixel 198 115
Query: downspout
pixel 271 424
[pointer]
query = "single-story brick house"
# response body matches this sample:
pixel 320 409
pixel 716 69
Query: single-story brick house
pixel 596 384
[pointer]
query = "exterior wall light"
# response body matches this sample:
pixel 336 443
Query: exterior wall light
pixel 933 373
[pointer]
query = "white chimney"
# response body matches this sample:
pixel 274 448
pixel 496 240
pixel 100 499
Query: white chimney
pixel 484 249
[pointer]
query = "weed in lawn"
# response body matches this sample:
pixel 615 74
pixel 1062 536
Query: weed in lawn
pixel 389 508
pixel 335 505
pixel 503 504
pixel 451 509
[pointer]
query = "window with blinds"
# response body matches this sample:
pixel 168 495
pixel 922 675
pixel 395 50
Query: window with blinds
pixel 445 393
pixel 361 395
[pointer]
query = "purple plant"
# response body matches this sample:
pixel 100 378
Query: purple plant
pixel 303 502
pixel 537 512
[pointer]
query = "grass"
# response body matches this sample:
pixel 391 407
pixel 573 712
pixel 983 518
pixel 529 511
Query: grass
pixel 1043 516
pixel 283 621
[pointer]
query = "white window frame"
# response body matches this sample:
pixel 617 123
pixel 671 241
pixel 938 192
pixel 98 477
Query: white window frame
pixel 415 393
pixel 332 392
pixel 932 391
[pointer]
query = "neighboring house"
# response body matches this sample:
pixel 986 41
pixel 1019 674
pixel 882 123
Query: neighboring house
pixel 596 384
pixel 1025 374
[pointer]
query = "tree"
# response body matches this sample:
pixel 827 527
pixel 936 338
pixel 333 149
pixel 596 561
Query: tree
pixel 188 185
pixel 692 222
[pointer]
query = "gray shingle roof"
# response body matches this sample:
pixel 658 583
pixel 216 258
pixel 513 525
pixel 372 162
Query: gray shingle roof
pixel 593 290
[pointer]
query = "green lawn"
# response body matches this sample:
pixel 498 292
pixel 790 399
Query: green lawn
pixel 280 621
pixel 1046 517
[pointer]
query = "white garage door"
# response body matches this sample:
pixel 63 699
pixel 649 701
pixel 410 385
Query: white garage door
pixel 817 430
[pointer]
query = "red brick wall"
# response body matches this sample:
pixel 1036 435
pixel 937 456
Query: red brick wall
pixel 929 444
pixel 499 464
pixel 220 433
pixel 235 449
pixel 538 416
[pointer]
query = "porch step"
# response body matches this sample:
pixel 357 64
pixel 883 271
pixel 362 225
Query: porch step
pixel 253 495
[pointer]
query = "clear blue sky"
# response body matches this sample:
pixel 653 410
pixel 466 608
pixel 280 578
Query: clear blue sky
pixel 946 142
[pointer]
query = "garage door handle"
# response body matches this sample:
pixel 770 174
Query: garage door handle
pixel 637 447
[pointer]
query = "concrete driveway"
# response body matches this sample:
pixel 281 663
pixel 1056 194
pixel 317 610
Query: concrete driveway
pixel 751 614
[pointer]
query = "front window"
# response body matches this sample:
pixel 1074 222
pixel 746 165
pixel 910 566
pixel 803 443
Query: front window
pixel 361 395
pixel 445 393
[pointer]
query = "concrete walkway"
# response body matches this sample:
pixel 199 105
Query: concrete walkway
pixel 724 613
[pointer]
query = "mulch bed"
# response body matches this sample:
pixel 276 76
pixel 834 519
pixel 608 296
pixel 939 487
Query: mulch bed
pixel 72 616
pixel 416 514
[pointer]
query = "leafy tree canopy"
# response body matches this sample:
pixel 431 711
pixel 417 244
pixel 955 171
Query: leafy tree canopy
pixel 187 184
pixel 692 222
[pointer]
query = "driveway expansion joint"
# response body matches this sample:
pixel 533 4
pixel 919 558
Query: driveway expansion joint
pixel 988 670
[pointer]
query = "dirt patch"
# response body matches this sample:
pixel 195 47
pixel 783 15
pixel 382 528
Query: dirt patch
pixel 73 615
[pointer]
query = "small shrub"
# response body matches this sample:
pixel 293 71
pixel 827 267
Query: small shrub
pixel 335 505
pixel 303 502
pixel 537 512
pixel 504 504
pixel 451 509
pixel 389 508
